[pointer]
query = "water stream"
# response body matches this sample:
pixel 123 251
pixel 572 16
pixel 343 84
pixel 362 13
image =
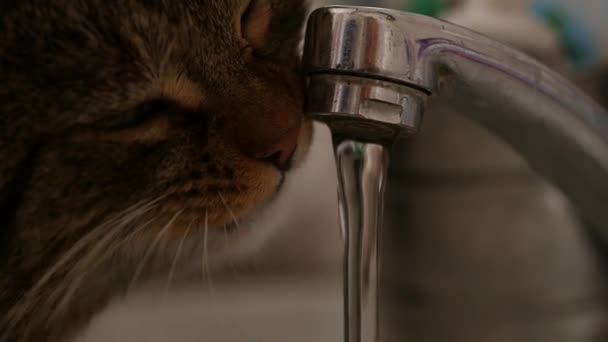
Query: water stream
pixel 362 169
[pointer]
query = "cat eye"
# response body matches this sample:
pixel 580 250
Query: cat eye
pixel 139 115
pixel 254 22
pixel 148 122
pixel 150 108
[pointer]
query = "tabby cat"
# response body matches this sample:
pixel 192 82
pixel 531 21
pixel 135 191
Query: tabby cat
pixel 132 128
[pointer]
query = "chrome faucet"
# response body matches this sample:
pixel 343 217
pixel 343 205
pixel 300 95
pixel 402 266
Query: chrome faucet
pixel 371 73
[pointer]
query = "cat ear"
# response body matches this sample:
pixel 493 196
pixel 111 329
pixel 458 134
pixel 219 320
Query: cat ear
pixel 254 21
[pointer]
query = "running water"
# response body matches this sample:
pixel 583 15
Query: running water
pixel 362 169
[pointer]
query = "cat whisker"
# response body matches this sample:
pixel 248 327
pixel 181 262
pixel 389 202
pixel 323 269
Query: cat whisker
pixel 105 248
pixel 150 249
pixel 101 250
pixel 226 241
pixel 176 258
pixel 32 297
pixel 129 214
pixel 230 212
pixel 91 261
pixel 206 268
pixel 225 231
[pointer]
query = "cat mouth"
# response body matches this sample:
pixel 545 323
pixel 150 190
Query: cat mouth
pixel 238 221
pixel 221 210
pixel 227 205
pixel 282 166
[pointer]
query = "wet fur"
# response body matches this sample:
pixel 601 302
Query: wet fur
pixel 91 199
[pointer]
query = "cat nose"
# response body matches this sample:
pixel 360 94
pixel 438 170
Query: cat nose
pixel 281 152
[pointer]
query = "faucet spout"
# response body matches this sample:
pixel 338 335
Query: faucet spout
pixel 371 70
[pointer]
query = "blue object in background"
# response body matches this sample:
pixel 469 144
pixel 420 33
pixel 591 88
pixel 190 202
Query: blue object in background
pixel 574 23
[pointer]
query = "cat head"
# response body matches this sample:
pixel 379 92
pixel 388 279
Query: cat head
pixel 143 121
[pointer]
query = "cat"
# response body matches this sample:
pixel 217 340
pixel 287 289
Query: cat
pixel 133 129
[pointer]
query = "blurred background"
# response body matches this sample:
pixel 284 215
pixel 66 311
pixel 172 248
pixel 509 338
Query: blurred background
pixel 495 254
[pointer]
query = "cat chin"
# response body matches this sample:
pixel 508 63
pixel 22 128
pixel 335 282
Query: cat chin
pixel 253 231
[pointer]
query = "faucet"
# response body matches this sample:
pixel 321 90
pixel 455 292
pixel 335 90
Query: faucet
pixel 371 75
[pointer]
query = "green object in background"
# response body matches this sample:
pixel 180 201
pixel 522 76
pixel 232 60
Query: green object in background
pixel 431 8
